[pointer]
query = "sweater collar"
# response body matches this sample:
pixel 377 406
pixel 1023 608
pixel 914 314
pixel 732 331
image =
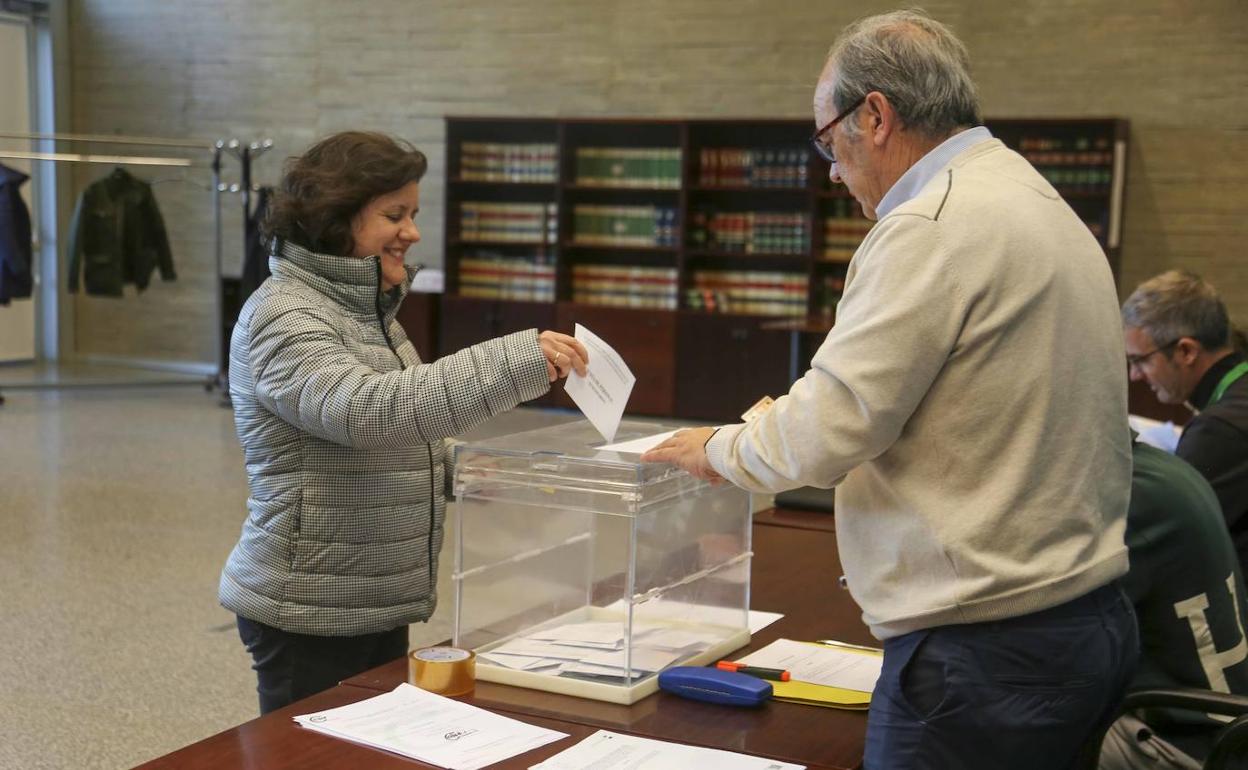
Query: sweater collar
pixel 917 176
pixel 1204 389
pixel 353 283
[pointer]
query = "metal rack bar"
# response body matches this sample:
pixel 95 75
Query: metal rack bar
pixel 150 141
pixel 74 157
pixel 245 153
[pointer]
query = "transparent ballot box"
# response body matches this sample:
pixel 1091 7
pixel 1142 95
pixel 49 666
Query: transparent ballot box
pixel 583 571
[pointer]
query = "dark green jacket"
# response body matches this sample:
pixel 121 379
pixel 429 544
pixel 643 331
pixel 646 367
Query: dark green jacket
pixel 117 236
pixel 1187 589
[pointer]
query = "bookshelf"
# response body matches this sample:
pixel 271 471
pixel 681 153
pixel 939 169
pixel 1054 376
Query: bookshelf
pixel 688 235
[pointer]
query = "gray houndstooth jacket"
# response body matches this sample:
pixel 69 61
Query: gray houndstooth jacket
pixel 342 429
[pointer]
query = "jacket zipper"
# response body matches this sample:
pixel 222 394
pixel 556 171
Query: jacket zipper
pixel 381 321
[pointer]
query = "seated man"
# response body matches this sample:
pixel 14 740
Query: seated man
pixel 1178 339
pixel 1189 598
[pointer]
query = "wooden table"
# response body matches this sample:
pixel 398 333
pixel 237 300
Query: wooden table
pixel 795 571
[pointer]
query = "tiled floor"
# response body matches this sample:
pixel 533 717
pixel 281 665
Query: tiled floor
pixel 117 510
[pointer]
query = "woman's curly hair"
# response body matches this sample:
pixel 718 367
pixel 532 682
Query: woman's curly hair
pixel 323 189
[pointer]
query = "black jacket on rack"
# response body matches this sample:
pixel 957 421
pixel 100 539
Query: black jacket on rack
pixel 256 258
pixel 117 236
pixel 16 276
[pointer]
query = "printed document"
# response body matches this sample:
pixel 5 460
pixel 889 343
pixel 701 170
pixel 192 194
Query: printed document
pixel 819 664
pixel 613 751
pixel 431 728
pixel 604 390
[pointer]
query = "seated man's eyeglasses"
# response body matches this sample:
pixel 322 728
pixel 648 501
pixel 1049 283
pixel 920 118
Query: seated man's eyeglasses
pixel 1134 361
pixel 824 149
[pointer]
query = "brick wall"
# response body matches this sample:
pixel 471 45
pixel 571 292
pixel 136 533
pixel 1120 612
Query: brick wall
pixel 294 70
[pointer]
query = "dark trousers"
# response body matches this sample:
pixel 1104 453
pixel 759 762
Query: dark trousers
pixel 1024 693
pixel 293 666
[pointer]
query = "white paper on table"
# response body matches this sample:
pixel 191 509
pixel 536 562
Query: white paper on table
pixel 430 280
pixel 819 664
pixel 431 728
pixel 637 446
pixel 604 390
pixel 760 620
pixel 1163 435
pixel 613 751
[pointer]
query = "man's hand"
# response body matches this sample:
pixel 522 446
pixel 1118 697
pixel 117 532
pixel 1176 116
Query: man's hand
pixel 687 451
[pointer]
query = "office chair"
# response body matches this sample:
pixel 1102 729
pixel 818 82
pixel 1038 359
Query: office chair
pixel 1230 741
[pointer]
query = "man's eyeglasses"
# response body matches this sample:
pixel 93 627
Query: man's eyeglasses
pixel 816 139
pixel 1134 361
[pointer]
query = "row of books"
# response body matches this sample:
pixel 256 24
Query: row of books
pixel 754 167
pixel 843 235
pixel 643 167
pixel 1078 178
pixel 750 292
pixel 497 276
pixel 497 162
pixel 644 226
pixel 508 222
pixel 750 232
pixel 1082 163
pixel 625 286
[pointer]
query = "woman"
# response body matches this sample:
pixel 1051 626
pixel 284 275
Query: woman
pixel 342 425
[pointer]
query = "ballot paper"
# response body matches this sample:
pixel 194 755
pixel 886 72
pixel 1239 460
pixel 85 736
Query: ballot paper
pixel 418 724
pixel 639 445
pixel 604 390
pixel 819 664
pixel 614 751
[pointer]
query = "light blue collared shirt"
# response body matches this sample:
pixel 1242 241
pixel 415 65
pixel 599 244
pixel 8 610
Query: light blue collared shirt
pixel 918 175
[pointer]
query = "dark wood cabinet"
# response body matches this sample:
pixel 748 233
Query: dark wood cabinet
pixel 646 339
pixel 466 321
pixel 726 363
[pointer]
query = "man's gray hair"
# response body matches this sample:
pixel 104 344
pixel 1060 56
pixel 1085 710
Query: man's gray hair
pixel 1178 303
pixel 914 60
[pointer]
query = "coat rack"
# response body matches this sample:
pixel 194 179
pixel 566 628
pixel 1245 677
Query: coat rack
pixel 244 152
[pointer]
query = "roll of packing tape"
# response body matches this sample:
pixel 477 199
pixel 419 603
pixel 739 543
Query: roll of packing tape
pixel 443 670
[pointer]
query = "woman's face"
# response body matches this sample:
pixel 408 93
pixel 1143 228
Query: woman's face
pixel 386 227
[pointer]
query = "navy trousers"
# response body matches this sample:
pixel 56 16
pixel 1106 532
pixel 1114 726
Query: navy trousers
pixel 1024 693
pixel 293 666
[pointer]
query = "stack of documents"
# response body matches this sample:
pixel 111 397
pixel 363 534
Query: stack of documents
pixel 828 674
pixel 431 728
pixel 596 650
pixel 612 751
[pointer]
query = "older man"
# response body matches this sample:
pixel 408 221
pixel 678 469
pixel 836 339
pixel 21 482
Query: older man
pixel 1178 339
pixel 971 403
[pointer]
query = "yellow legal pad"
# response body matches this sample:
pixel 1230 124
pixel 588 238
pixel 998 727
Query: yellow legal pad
pixel 818 694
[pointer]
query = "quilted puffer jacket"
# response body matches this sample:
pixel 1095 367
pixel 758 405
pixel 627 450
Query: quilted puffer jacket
pixel 342 429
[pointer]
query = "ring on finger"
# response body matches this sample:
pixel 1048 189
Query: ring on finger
pixel 556 361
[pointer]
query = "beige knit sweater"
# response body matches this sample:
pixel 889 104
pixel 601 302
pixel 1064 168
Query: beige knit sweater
pixel 970 402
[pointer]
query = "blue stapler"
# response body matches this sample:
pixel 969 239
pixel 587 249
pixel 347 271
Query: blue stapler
pixel 712 685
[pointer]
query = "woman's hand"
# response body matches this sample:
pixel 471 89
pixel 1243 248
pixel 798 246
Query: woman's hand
pixel 563 354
